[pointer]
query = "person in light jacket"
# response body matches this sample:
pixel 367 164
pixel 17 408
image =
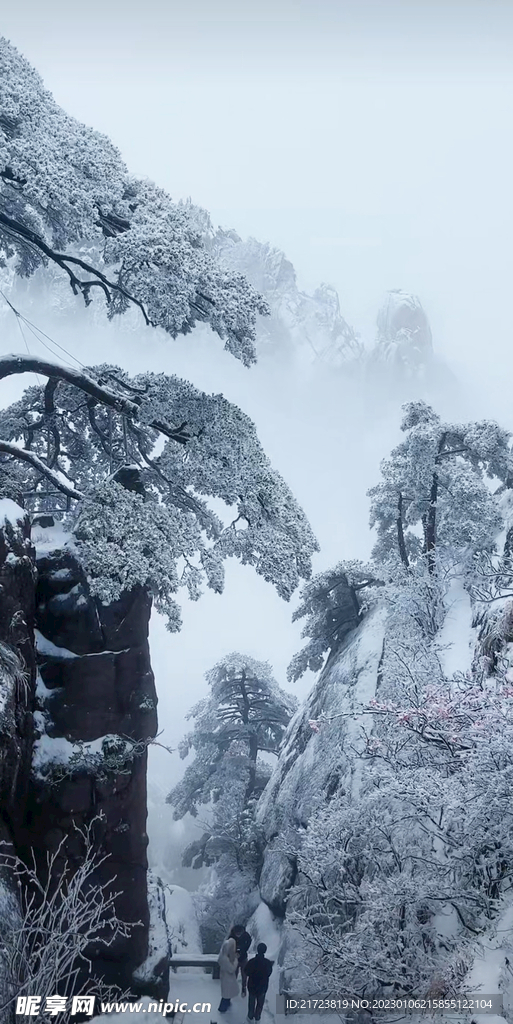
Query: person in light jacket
pixel 228 964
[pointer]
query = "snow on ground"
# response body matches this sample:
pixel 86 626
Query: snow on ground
pixel 107 1017
pixel 193 985
pixel 193 988
pixel 263 926
pixel 457 637
pixel 201 988
pixel 51 538
pixel 492 971
pixel 10 512
pixel 182 922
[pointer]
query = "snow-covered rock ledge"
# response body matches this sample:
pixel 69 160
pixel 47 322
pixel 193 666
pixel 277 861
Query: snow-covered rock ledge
pixel 313 765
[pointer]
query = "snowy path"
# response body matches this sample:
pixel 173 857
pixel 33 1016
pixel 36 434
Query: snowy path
pixel 197 988
pixel 193 988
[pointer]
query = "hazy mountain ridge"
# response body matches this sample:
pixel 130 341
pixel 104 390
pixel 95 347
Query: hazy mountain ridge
pixel 312 327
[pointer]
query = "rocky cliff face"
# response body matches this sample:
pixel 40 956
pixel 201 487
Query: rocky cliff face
pixel 96 710
pixel 311 330
pixel 17 686
pixel 313 765
pixel 312 768
pixel 17 681
pixel 74 728
pixel 311 326
pixel 403 343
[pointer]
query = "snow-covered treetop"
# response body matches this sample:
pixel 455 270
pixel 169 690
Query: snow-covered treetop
pixel 263 264
pixel 433 507
pixel 67 197
pixel 436 480
pixel 141 517
pixel 243 688
pixel 332 605
pixel 246 712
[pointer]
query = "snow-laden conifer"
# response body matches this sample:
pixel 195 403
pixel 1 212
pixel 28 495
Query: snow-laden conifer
pixel 245 714
pixel 435 491
pixel 404 866
pixel 66 198
pixel 142 518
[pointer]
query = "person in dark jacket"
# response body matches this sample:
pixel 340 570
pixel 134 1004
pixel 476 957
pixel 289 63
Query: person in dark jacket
pixel 258 971
pixel 243 940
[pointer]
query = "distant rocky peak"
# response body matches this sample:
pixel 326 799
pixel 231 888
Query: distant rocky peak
pixel 309 326
pixel 404 335
pixel 266 267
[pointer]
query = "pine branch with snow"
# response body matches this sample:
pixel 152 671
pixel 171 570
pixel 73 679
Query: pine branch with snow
pixel 141 518
pixel 67 199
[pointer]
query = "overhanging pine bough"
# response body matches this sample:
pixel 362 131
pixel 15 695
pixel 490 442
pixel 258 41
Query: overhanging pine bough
pixel 141 518
pixel 66 198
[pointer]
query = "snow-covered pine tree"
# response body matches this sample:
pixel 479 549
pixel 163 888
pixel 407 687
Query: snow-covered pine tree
pixel 408 863
pixel 434 492
pixel 140 518
pixel 245 714
pixel 433 508
pixel 129 464
pixel 66 198
pixel 332 604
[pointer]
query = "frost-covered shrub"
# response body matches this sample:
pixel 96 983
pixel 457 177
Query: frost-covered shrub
pixel 45 945
pixel 403 868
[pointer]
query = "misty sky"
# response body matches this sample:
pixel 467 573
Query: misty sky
pixel 369 140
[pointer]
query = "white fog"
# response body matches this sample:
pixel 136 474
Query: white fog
pixel 371 143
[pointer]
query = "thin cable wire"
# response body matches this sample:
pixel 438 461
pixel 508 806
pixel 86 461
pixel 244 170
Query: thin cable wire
pixel 47 347
pixel 36 331
pixel 33 329
pixel 18 320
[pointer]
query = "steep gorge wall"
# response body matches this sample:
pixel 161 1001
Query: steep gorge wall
pixel 17 576
pixel 313 764
pixel 98 684
pixel 90 692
